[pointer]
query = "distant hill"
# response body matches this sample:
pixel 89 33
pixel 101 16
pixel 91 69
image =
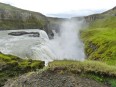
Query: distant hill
pixel 15 18
pixel 101 19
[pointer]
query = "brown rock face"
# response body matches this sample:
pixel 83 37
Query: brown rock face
pixel 52 79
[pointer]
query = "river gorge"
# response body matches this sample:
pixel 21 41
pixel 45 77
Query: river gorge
pixel 65 45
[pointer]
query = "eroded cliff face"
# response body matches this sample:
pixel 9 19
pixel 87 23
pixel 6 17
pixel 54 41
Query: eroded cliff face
pixel 52 78
pixel 55 23
pixel 109 13
pixel 94 17
pixel 15 18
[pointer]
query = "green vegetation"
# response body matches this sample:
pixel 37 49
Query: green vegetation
pixel 100 47
pixel 92 69
pixel 104 23
pixel 30 23
pixel 100 38
pixel 11 66
pixel 15 18
pixel 7 7
pixel 87 66
pixel 110 81
pixel 100 44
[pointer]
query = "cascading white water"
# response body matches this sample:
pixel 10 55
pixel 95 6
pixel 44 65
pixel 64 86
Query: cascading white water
pixel 25 46
pixel 66 45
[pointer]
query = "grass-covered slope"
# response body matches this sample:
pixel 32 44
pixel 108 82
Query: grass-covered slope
pixel 94 67
pixel 100 38
pixel 98 71
pixel 100 44
pixel 12 66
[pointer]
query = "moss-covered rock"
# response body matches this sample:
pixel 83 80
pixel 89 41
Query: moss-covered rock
pixel 12 66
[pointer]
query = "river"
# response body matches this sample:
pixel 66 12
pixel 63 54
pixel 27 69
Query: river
pixel 66 46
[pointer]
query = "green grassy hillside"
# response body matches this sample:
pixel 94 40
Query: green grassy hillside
pixel 100 39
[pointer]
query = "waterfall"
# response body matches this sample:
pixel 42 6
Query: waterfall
pixel 65 45
pixel 68 45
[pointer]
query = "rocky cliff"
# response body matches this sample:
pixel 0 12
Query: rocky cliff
pixel 92 18
pixel 55 23
pixel 15 18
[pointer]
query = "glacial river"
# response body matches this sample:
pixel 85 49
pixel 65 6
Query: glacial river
pixel 66 46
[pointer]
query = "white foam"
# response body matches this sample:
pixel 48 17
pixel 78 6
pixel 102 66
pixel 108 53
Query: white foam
pixel 67 45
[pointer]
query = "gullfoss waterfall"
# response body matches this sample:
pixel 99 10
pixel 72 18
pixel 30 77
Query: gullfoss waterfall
pixel 65 45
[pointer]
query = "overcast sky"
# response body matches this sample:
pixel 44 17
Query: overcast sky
pixel 64 8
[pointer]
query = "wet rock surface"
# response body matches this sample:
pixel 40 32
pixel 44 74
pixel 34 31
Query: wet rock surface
pixel 52 79
pixel 31 34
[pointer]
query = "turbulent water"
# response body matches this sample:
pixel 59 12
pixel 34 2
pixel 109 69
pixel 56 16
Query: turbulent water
pixel 65 45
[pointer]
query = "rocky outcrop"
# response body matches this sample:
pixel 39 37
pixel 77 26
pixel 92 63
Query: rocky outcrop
pixel 52 79
pixel 89 18
pixel 31 34
pixel 55 23
pixel 111 12
pixel 12 66
pixel 15 18
pixel 93 17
